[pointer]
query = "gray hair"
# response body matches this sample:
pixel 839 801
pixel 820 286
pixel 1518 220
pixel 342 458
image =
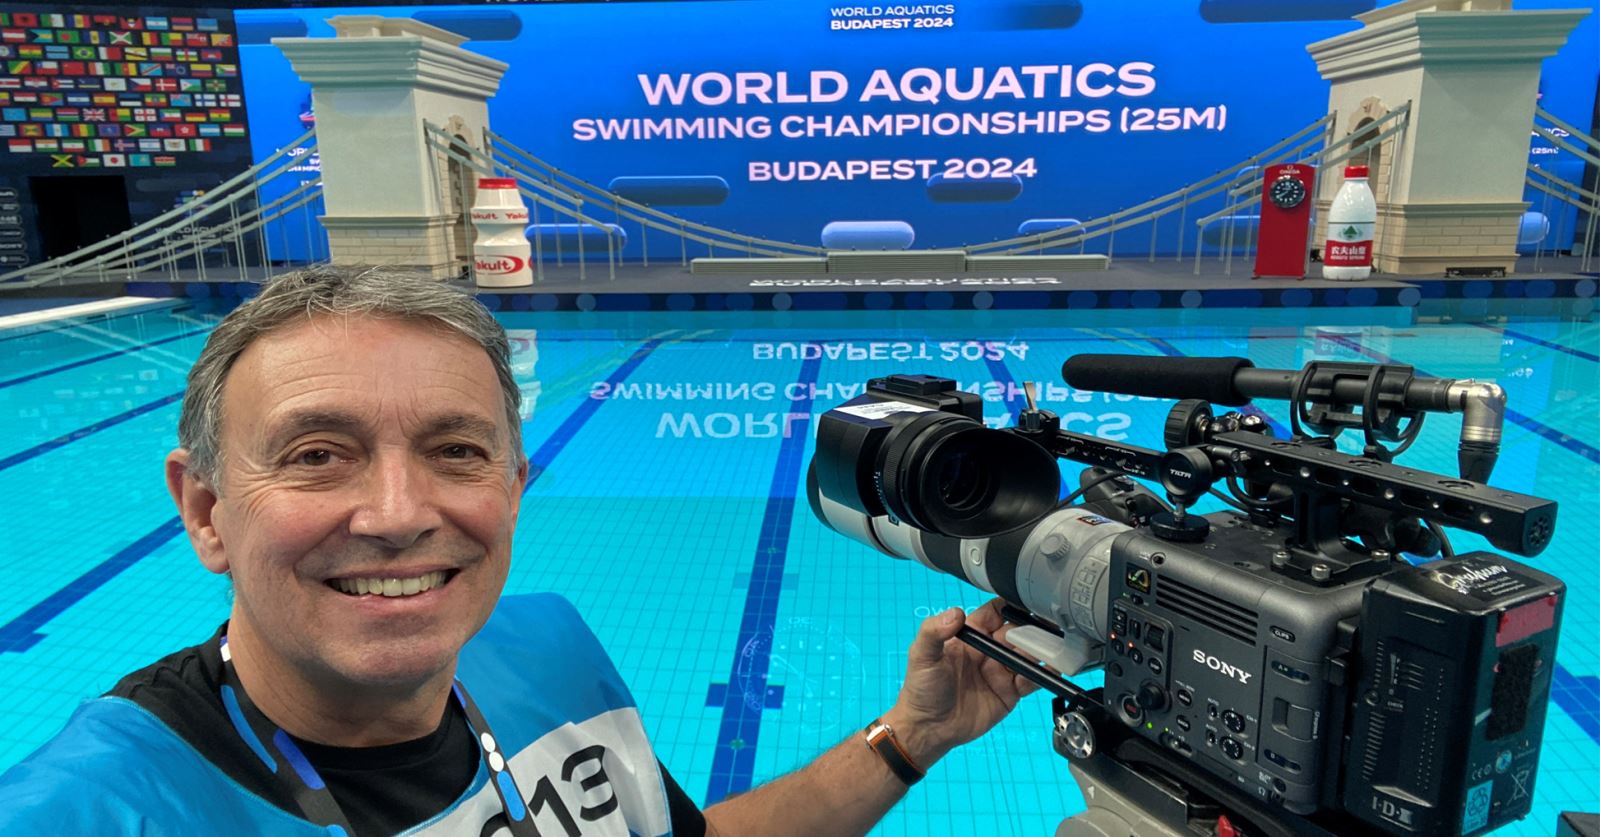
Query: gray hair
pixel 328 290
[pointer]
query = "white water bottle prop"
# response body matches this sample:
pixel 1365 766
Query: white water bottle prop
pixel 500 252
pixel 1347 254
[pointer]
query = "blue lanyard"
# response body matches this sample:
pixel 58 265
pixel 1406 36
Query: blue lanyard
pixel 311 793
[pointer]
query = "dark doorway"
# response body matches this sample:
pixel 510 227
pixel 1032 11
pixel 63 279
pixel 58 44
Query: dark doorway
pixel 79 210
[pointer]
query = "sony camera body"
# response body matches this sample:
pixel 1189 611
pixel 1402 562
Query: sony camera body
pixel 1281 648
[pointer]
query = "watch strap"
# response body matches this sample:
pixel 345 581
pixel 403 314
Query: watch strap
pixel 882 740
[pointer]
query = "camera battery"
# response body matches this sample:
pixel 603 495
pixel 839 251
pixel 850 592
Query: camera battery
pixel 1456 663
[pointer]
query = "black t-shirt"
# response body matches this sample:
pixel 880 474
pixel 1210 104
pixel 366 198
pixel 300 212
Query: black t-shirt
pixel 382 790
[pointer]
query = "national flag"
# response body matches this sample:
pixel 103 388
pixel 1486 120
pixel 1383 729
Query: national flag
pixel 5 18
pixel 83 130
pixel 14 114
pixel 158 99
pixel 175 38
pixel 53 20
pixel 228 70
pixel 55 130
pixel 173 145
pixel 210 130
pixel 104 98
pixel 109 129
pixel 80 22
pixel 88 162
pixel 47 68
pixel 161 53
pixel 7 51
pixel 130 100
pixel 20 146
pixel 196 40
pixel 136 54
pixel 61 161
pixel 99 145
pixel 30 51
pixel 124 145
pixel 59 53
pixel 24 19
pixel 222 39
pixel 199 145
pixel 200 70
pixel 95 36
pixel 72 68
pixel 143 85
pixel 144 114
pixel 68 115
pixel 46 145
pixel 219 114
pixel 157 23
pixel 177 100
pixel 41 114
pixel 73 145
pixel 18 68
pixel 10 83
pixel 133 130
pixel 7 130
pixel 165 160
pixel 190 85
pixel 13 36
pixel 69 36
pixel 160 130
pixel 115 160
pixel 68 83
pixel 171 115
pixel 32 129
pixel 177 69
pixel 99 68
pixel 183 24
pixel 133 23
pixel 50 98
pixel 167 85
pixel 211 55
pixel 184 129
pixel 111 53
pixel 206 24
pixel 116 84
pixel 36 83
pixel 233 130
pixel 106 21
pixel 85 53
pixel 194 116
pixel 149 38
pixel 94 114
pixel 149 145
pixel 139 160
pixel 149 68
pixel 42 36
pixel 121 115
pixel 216 86
pixel 122 39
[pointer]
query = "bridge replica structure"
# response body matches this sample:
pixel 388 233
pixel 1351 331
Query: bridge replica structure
pixel 403 135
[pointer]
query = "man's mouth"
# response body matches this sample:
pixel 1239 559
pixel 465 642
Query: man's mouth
pixel 393 587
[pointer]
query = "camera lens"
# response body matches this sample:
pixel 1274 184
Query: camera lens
pixel 950 475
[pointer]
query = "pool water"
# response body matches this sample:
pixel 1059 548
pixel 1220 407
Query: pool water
pixel 667 501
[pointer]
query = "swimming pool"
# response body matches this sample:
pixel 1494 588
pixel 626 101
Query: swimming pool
pixel 666 500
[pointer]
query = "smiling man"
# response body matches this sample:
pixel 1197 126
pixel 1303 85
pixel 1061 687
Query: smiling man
pixel 351 456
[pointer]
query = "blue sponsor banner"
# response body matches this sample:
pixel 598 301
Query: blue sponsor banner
pixel 964 120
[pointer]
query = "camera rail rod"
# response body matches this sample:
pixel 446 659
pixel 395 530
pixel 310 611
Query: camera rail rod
pixel 1319 477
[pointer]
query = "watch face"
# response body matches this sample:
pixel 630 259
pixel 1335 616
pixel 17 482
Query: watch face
pixel 1287 193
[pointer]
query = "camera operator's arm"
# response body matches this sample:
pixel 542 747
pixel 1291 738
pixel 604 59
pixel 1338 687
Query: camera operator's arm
pixel 952 695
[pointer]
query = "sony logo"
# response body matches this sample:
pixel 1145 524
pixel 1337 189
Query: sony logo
pixel 1217 665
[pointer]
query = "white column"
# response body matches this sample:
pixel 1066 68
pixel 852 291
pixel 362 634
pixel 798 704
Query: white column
pixel 1470 71
pixel 390 198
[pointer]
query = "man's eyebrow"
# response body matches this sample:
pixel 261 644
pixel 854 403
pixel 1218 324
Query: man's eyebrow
pixel 464 424
pixel 304 421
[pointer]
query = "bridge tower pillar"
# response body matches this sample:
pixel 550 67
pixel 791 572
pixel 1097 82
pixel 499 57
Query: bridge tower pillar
pixel 1450 185
pixel 391 198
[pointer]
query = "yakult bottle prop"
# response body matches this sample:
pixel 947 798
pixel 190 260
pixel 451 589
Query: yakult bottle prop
pixel 500 252
pixel 1347 254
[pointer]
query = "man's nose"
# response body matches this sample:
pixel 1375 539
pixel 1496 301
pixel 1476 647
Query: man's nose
pixel 397 507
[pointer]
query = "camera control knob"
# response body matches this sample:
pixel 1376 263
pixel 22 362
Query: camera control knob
pixel 1152 697
pixel 1233 721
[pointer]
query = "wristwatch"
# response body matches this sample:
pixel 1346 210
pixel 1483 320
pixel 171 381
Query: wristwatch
pixel 881 738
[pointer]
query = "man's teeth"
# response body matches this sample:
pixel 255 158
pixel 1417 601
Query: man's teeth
pixel 391 587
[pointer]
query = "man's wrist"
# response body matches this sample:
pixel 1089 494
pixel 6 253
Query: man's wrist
pixel 920 741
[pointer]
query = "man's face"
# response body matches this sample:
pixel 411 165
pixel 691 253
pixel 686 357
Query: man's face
pixel 364 458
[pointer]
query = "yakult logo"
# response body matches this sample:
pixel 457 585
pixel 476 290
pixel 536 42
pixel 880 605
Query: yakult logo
pixel 499 264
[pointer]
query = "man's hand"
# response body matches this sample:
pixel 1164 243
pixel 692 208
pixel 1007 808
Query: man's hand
pixel 953 693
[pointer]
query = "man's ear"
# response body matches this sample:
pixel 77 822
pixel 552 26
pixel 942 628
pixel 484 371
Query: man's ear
pixel 196 500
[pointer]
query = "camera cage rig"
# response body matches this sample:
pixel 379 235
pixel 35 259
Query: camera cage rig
pixel 1304 482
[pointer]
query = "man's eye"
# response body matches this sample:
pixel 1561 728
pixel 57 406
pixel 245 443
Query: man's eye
pixel 315 457
pixel 458 452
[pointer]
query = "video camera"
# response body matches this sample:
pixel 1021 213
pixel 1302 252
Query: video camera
pixel 1280 668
